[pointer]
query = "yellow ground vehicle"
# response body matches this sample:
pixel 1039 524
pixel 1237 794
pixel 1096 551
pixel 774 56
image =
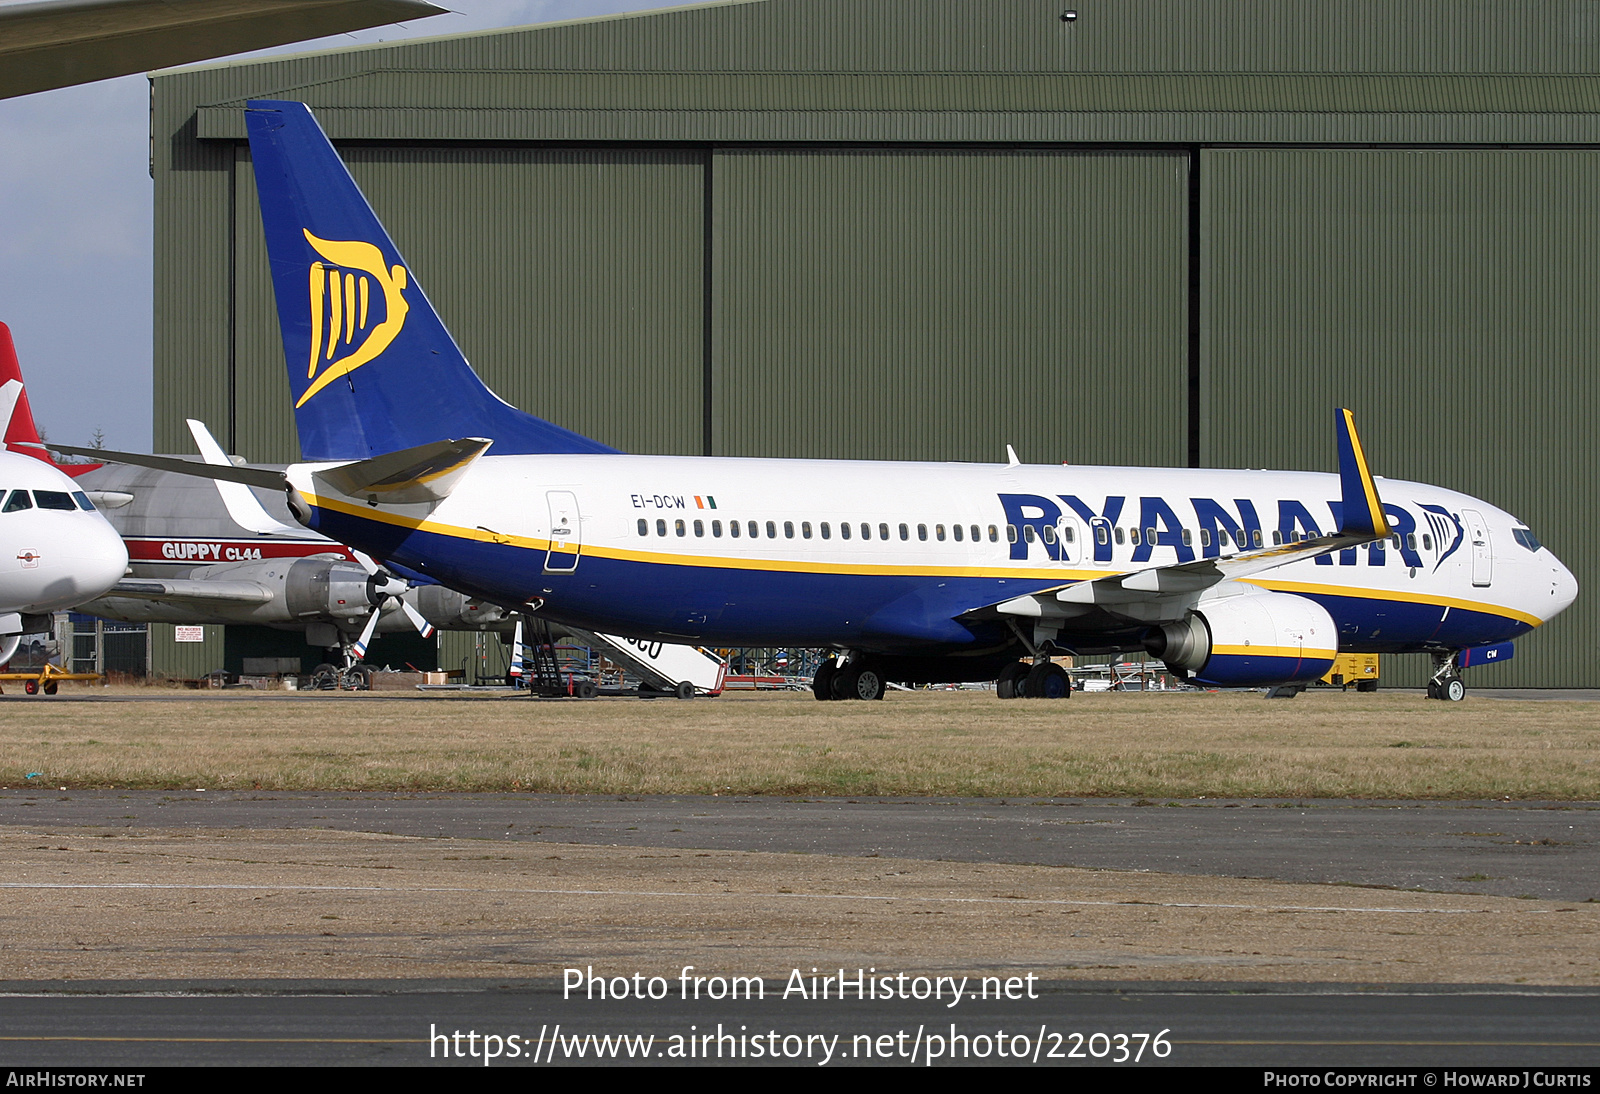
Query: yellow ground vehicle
pixel 1360 669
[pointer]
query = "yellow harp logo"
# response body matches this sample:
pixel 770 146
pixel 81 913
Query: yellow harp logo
pixel 341 296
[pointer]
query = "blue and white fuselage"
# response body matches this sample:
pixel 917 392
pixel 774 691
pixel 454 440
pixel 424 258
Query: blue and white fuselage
pixel 894 557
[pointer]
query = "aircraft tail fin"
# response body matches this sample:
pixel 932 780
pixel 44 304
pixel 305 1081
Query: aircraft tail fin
pixel 21 434
pixel 371 366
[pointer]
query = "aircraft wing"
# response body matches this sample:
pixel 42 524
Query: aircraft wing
pixel 57 43
pixel 220 592
pixel 1363 522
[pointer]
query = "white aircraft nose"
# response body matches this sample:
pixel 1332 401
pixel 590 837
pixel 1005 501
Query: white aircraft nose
pixel 1563 589
pixel 97 559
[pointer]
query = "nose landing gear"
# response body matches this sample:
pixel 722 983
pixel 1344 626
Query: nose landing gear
pixel 1446 683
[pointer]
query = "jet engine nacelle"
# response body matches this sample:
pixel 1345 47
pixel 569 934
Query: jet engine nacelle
pixel 1253 640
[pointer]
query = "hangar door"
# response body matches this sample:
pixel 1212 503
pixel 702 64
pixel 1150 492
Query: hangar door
pixel 941 303
pixel 1448 297
pixel 571 279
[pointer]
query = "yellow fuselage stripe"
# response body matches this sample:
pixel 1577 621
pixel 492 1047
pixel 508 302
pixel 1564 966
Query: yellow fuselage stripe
pixel 1059 575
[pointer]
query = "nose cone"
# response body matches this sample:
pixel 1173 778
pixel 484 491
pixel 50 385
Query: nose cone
pixel 78 562
pixel 1563 590
pixel 101 560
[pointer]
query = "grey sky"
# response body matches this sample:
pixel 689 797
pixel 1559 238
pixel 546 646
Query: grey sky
pixel 75 239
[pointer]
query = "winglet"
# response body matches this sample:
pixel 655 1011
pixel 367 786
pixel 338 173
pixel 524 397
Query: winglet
pixel 1363 509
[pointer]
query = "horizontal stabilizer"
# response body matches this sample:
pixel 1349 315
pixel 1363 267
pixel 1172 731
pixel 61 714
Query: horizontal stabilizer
pixel 425 473
pixel 250 476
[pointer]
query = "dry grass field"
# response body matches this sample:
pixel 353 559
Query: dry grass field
pixel 1380 745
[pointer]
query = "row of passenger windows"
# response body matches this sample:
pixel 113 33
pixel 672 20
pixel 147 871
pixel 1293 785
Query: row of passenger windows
pixel 47 499
pixel 959 532
pixel 752 529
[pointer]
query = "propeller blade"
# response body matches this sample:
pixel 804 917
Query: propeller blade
pixel 424 628
pixel 366 561
pixel 366 633
pixel 516 649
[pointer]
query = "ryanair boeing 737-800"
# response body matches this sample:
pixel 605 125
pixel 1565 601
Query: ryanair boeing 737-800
pixel 911 571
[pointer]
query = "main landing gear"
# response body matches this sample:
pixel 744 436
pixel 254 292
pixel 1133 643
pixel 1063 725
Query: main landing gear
pixel 1043 680
pixel 853 680
pixel 1446 682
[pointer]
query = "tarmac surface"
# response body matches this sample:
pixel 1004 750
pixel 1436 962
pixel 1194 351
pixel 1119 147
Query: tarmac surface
pixel 1548 850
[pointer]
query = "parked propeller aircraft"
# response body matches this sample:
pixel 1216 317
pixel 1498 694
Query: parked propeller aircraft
pixel 56 551
pixel 912 571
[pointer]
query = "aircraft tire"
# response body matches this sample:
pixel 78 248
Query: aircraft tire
pixel 359 678
pixel 1008 686
pixel 822 682
pixel 1048 681
pixel 324 677
pixel 684 690
pixel 1453 690
pixel 1433 690
pixel 869 684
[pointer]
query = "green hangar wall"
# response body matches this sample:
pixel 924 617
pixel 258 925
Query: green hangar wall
pixel 1163 232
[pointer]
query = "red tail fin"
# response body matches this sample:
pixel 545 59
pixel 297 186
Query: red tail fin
pixel 21 435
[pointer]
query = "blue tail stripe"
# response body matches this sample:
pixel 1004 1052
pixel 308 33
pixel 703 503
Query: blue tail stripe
pixel 371 365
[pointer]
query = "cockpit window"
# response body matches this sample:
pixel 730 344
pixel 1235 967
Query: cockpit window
pixel 18 501
pixel 54 499
pixel 83 501
pixel 1526 537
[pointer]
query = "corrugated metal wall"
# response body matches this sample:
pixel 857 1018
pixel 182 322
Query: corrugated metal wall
pixel 938 304
pixel 925 228
pixel 1446 296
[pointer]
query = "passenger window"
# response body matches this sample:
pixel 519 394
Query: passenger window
pixel 905 531
pixel 938 532
pixel 679 528
pixel 1277 539
pixel 883 531
pixel 1067 537
pixel 956 531
pixel 18 501
pixel 844 529
pixel 866 531
pixel 805 529
pixel 661 527
pixel 699 528
pixel 644 527
pixel 1011 533
pixel 1100 536
pixel 733 529
pixel 922 532
pixel 827 533
pixel 1133 536
pixel 976 537
pixel 1049 533
pixel 1119 535
pixel 1411 540
pixel 1186 539
pixel 994 534
pixel 1205 537
pixel 716 529
pixel 1397 541
pixel 754 529
pixel 83 501
pixel 788 529
pixel 1427 542
pixel 772 530
pixel 1150 536
pixel 1028 533
pixel 1255 536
